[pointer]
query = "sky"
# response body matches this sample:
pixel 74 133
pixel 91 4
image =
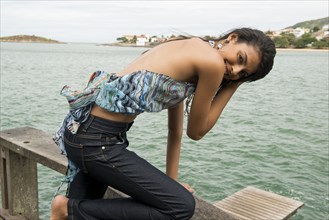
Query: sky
pixel 104 21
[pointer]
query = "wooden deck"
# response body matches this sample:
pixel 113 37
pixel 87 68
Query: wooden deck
pixel 22 148
pixel 252 203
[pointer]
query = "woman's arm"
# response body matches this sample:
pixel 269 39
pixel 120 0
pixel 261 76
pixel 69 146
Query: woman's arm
pixel 219 102
pixel 206 109
pixel 175 132
pixel 210 74
pixel 215 109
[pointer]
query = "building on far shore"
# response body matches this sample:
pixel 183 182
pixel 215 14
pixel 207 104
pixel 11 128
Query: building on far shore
pixel 323 33
pixel 142 40
pixel 298 32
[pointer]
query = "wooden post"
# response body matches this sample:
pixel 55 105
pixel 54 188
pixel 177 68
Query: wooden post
pixel 19 185
pixel 4 176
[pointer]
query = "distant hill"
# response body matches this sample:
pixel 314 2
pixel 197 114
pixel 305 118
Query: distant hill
pixel 28 39
pixel 312 23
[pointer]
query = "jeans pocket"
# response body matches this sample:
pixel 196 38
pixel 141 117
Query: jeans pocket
pixel 70 143
pixel 100 157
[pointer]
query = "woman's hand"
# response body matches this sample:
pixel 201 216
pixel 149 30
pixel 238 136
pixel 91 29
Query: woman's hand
pixel 188 187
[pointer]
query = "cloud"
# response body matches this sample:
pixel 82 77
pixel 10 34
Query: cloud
pixel 104 21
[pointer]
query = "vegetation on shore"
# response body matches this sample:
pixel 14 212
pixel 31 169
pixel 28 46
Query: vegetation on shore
pixel 288 40
pixel 284 40
pixel 312 34
pixel 317 36
pixel 28 39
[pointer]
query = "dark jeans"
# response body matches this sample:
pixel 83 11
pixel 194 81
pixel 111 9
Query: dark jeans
pixel 99 149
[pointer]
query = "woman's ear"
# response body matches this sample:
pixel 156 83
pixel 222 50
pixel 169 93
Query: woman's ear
pixel 231 38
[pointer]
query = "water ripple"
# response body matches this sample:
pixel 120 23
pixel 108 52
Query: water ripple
pixel 272 135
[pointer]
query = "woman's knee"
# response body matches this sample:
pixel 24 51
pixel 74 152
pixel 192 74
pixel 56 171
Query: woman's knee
pixel 187 208
pixel 190 207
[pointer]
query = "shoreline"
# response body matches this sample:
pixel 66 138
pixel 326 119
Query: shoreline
pixel 302 49
pixel 150 46
pixel 124 45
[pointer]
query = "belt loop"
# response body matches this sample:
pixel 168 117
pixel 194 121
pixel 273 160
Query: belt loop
pixel 88 123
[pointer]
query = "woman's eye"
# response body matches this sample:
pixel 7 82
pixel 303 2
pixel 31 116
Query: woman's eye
pixel 240 59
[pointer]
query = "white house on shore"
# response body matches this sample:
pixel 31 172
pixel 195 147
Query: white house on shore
pixel 298 32
pixel 142 40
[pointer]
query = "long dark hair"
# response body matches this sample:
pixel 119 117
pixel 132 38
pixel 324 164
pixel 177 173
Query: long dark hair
pixel 260 41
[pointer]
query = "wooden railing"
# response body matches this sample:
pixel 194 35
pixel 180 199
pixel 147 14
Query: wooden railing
pixel 20 151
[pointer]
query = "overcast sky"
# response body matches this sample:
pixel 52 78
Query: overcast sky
pixel 104 21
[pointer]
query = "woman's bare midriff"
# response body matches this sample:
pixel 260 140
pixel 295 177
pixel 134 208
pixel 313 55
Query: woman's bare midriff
pixel 113 116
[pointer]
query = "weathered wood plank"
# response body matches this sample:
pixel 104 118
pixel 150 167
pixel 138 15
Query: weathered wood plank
pixel 34 144
pixel 253 203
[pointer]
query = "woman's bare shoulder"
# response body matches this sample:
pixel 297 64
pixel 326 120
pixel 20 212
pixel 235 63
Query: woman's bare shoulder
pixel 206 58
pixel 197 56
pixel 180 59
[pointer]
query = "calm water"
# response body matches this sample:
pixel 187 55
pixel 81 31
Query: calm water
pixel 272 135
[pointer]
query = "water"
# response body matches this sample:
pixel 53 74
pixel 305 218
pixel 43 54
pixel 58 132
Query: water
pixel 272 135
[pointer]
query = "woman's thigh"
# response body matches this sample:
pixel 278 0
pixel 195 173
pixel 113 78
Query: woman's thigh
pixel 126 171
pixel 83 185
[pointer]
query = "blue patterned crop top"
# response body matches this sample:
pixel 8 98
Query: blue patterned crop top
pixel 130 94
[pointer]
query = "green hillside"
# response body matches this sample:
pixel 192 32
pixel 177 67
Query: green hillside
pixel 28 39
pixel 312 23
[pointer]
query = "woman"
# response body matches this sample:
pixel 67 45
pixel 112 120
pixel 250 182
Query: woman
pixel 93 135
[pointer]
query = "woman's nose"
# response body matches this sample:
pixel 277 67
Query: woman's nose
pixel 237 69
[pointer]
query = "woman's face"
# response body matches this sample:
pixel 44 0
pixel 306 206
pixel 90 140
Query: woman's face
pixel 241 60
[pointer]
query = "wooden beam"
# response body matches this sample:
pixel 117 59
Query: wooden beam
pixel 35 145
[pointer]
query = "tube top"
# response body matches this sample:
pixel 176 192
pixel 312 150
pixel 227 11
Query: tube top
pixel 130 94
